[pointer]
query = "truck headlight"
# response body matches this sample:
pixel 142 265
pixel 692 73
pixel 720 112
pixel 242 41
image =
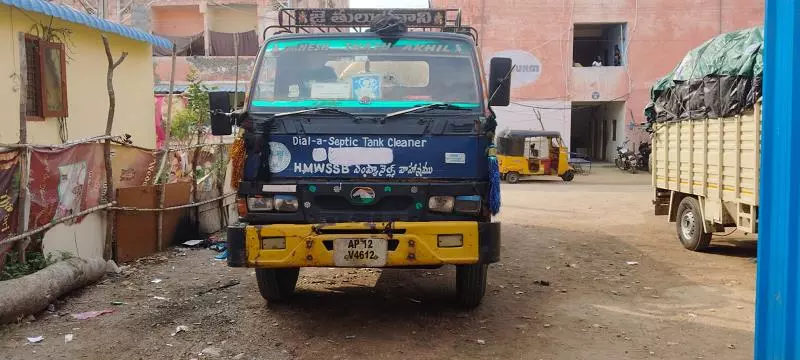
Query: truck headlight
pixel 441 203
pixel 259 203
pixel 470 204
pixel 286 203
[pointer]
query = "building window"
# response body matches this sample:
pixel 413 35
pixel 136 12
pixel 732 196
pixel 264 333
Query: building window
pixel 46 82
pixel 599 45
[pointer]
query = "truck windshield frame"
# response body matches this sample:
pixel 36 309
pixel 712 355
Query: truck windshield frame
pixel 365 74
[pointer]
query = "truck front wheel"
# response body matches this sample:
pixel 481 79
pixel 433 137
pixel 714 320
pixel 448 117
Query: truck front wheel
pixel 277 284
pixel 471 284
pixel 690 225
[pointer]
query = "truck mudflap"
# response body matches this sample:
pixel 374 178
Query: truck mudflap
pixel 390 244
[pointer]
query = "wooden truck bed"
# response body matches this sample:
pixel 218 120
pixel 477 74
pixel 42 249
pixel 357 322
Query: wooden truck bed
pixel 715 160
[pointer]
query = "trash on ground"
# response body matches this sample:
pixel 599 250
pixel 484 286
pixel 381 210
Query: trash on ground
pixel 232 282
pixel 156 281
pixel 192 243
pixel 481 342
pixel 219 247
pixel 222 256
pixel 68 338
pixel 542 282
pixel 350 337
pixel 35 339
pixel 117 303
pixel 91 314
pixel 180 329
pixel 415 301
pixel 632 263
pixel 160 298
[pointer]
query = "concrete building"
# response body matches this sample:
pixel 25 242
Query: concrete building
pixel 62 89
pixel 554 43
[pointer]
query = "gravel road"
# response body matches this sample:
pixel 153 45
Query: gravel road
pixel 587 272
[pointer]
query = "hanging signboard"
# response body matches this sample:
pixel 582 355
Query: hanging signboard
pixel 365 17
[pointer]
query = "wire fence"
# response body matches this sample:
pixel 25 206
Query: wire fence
pixel 23 235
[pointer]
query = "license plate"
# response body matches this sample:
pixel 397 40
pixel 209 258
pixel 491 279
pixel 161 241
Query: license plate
pixel 360 252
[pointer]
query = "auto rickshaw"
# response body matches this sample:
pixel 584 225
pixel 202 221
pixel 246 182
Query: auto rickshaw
pixel 524 153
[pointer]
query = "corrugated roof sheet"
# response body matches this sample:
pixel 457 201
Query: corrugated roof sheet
pixel 67 13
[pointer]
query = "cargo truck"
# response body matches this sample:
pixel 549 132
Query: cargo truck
pixel 705 120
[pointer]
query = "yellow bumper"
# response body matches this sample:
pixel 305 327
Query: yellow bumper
pixel 413 243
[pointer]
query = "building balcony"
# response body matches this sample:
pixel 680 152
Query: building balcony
pixel 601 83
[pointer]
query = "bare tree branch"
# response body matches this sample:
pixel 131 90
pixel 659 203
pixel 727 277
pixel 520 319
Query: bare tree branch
pixel 112 102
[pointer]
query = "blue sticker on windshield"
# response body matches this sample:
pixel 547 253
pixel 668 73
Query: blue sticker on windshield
pixel 366 87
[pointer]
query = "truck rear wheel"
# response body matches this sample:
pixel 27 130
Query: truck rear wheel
pixel 512 177
pixel 471 284
pixel 277 284
pixel 690 225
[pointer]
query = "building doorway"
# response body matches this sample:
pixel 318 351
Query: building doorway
pixel 597 128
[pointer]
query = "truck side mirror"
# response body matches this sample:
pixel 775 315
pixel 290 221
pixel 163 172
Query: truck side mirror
pixel 500 81
pixel 221 124
pixel 219 104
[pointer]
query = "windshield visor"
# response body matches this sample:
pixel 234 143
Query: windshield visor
pixel 365 74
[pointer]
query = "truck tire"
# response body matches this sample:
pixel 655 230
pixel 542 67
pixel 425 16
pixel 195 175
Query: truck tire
pixel 471 284
pixel 276 285
pixel 568 175
pixel 689 225
pixel 512 177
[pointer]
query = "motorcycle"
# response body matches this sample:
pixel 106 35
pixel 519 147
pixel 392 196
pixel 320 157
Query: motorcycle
pixel 643 159
pixel 626 160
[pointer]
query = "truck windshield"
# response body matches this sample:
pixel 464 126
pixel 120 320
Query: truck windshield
pixel 365 74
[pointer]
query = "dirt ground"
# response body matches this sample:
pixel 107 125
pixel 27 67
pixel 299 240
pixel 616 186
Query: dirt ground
pixel 567 288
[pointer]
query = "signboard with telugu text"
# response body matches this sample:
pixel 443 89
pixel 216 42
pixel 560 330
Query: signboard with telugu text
pixel 364 17
pixel 374 156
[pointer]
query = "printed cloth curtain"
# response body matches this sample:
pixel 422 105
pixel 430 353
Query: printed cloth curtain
pixel 192 45
pixel 222 44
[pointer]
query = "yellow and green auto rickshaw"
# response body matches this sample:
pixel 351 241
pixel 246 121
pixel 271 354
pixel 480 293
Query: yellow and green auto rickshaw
pixel 524 153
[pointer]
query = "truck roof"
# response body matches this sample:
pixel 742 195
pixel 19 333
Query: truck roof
pixel 414 34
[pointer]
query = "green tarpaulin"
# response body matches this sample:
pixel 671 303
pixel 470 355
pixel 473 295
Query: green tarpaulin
pixel 718 78
pixel 738 53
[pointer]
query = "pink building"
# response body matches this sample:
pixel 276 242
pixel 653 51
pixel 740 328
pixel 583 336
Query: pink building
pixel 207 33
pixel 554 43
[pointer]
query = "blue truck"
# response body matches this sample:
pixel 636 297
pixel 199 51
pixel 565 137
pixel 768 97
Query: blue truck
pixel 367 137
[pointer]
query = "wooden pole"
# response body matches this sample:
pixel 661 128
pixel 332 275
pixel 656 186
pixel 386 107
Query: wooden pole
pixel 55 222
pixel 195 158
pixel 162 191
pixel 236 57
pixel 108 250
pixel 23 158
pixel 167 125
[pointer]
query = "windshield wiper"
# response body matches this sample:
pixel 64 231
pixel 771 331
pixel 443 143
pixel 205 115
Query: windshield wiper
pixel 423 108
pixel 315 110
